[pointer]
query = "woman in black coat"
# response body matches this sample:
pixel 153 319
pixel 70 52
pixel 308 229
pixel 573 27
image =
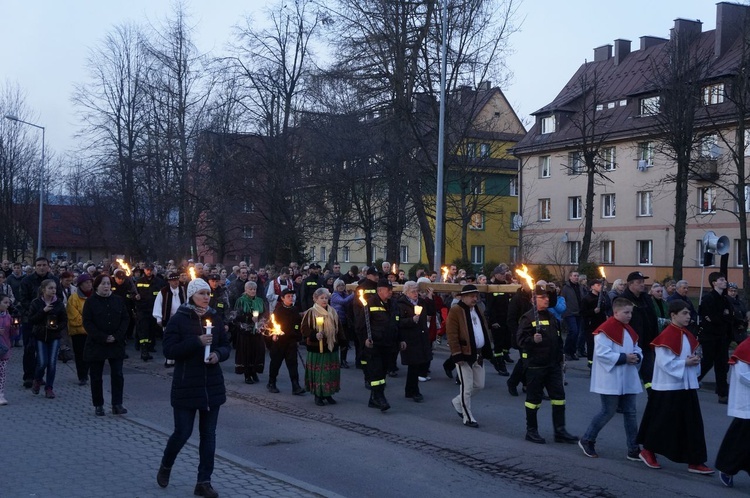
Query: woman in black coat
pixel 413 331
pixel 198 382
pixel 105 319
pixel 48 318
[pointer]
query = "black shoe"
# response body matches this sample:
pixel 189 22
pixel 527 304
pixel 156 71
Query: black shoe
pixel 571 357
pixel 119 410
pixel 82 382
pixel 723 400
pixel 297 389
pixel 507 358
pixel 99 411
pixel 471 423
pixel 513 390
pixel 344 364
pixel 533 436
pixel 563 436
pixel 162 477
pixel 255 377
pixel 249 380
pixel 28 383
pixel 145 356
pixel 392 373
pixel 418 398
pixel 330 400
pixel 271 386
pixel 503 372
pixel 205 489
pixel 448 372
pixel 319 401
pixel 152 349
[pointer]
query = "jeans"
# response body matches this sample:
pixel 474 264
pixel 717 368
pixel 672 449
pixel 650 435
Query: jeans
pixel 610 402
pixel 575 324
pixel 184 419
pixel 46 358
pixel 117 381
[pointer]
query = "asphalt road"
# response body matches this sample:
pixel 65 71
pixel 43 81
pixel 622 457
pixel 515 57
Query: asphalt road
pixel 422 449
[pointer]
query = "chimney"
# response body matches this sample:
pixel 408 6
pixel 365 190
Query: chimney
pixel 484 85
pixel 686 29
pixel 651 41
pixel 622 49
pixel 603 53
pixel 730 18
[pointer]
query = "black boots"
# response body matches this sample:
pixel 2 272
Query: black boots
pixel 532 434
pixel 162 477
pixel 500 367
pixel 296 388
pixel 377 398
pixel 205 489
pixel 272 387
pixel 558 421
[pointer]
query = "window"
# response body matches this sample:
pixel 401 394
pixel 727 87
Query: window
pixel 644 203
pixel 477 255
pixel 649 106
pixel 645 248
pixel 515 221
pixel 544 209
pixel 346 254
pixel 312 253
pixel 608 205
pixel 713 94
pixel 747 143
pixel 707 200
pixel 710 147
pixel 248 232
pixel 513 187
pixel 608 252
pixel 476 185
pixel 699 252
pixel 477 221
pixel 471 150
pixel 611 105
pixel 574 249
pixel 322 253
pixel 744 200
pixel 404 253
pixel 574 208
pixel 484 150
pixel 576 164
pixel 548 124
pixel 645 154
pixel 737 246
pixel 608 158
pixel 599 107
pixel 248 207
pixel 544 170
pixel 513 252
pixel 623 102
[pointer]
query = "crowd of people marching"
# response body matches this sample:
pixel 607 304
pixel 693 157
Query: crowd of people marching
pixel 633 339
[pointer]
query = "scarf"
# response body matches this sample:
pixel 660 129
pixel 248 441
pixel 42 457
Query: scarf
pixel 671 338
pixel 248 304
pixel 615 331
pixel 742 353
pixel 330 323
pixel 197 309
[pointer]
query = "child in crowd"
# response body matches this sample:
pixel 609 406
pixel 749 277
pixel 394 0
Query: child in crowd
pixel 614 376
pixel 6 323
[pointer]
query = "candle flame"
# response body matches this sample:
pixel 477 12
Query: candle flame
pixel 601 272
pixel 276 327
pixel 124 266
pixel 445 271
pixel 394 268
pixel 192 273
pixel 208 323
pixel 362 299
pixel 523 272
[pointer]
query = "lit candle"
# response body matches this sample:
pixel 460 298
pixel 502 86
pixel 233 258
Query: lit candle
pixel 319 322
pixel 207 351
pixel 256 313
pixel 417 309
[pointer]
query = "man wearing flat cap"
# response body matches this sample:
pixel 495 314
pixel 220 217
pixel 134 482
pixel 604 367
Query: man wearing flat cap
pixel 469 343
pixel 644 322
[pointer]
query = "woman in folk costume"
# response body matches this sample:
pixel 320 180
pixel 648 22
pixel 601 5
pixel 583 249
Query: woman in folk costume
pixel 322 332
pixel 672 424
pixel 250 357
pixel 734 455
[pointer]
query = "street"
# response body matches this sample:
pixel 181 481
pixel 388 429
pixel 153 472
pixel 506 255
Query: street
pixel 284 445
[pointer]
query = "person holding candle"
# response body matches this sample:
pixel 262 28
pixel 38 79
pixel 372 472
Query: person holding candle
pixel 105 318
pixel 197 383
pixel 48 318
pixel 250 357
pixel 414 334
pixel 283 348
pixel 77 333
pixel 322 332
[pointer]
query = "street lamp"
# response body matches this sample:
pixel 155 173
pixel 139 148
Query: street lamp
pixel 41 182
pixel 439 201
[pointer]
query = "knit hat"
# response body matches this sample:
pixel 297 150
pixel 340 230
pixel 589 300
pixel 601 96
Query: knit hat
pixel 83 277
pixel 195 285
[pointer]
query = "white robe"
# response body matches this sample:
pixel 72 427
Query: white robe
pixel 671 373
pixel 606 376
pixel 739 390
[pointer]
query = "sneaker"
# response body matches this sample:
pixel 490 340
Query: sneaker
pixel 726 479
pixel 49 393
pixel 424 379
pixel 588 448
pixel 649 459
pixel 438 341
pixel 634 455
pixel 35 387
pixel 3 401
pixel 700 468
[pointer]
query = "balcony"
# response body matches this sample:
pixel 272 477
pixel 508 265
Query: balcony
pixel 704 169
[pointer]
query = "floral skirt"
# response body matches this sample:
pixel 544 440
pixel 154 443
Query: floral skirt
pixel 323 373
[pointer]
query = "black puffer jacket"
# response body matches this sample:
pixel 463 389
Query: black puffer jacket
pixel 195 384
pixel 40 320
pixel 104 317
pixel 416 335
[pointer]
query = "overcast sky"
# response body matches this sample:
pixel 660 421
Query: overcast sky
pixel 45 43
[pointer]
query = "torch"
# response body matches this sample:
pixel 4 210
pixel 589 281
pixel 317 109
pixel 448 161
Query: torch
pixel 124 266
pixel 445 271
pixel 207 351
pixel 367 313
pixel 191 270
pixel 319 325
pixel 603 288
pixel 523 272
pixel 275 331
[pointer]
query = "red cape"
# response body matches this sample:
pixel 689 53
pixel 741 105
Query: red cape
pixel 742 353
pixel 615 331
pixel 671 338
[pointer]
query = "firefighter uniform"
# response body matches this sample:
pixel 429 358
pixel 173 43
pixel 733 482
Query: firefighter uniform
pixel 148 287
